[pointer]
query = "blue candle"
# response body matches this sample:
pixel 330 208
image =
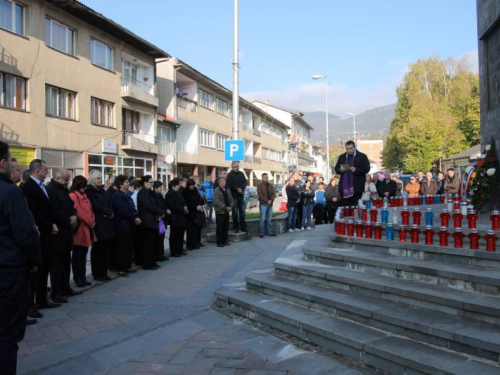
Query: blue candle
pixel 389 230
pixel 429 217
pixel 384 214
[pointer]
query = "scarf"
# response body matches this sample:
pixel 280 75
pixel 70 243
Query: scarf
pixel 348 178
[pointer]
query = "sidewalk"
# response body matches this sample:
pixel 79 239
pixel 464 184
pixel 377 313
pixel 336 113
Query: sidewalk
pixel 162 322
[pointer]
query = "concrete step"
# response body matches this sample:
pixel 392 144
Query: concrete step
pixel 395 354
pixel 475 279
pixel 475 306
pixel 462 335
pixel 233 237
pixel 450 255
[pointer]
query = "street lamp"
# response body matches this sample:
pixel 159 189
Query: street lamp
pixel 353 125
pixel 328 171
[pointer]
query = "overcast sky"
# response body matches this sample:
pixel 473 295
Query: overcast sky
pixel 363 46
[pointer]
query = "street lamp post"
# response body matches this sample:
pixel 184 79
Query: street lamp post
pixel 353 125
pixel 328 171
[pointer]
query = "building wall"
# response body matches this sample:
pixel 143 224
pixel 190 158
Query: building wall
pixel 373 149
pixel 488 15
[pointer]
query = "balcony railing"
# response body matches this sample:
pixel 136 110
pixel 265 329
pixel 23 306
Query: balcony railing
pixel 166 148
pixel 305 156
pixel 187 148
pixel 257 160
pixel 284 165
pixel 248 158
pixel 126 134
pixel 256 132
pixel 187 104
pixel 126 81
pixel 248 129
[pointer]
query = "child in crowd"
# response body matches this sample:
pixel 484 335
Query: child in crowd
pixel 319 207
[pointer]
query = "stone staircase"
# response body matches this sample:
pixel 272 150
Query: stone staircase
pixel 399 307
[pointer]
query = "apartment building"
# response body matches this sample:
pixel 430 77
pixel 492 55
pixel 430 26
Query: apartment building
pixel 300 154
pixel 77 89
pixel 203 110
pixel 373 148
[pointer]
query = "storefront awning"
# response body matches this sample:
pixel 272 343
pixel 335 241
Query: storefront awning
pixel 258 174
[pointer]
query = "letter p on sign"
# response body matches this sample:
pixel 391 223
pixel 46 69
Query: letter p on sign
pixel 234 150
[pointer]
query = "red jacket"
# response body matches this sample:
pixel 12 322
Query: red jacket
pixel 83 235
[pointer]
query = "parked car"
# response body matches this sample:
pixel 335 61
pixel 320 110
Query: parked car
pixel 278 189
pixel 251 198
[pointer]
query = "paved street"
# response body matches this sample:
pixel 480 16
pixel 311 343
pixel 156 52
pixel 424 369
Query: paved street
pixel 162 322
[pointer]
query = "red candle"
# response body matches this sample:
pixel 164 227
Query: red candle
pixel 414 233
pixel 491 240
pixel 378 231
pixel 443 236
pixel 402 233
pixel 495 220
pixel 457 219
pixel 364 214
pixel 445 218
pixel 342 227
pixel 474 238
pixel 369 230
pixel 428 199
pixel 429 235
pixel 373 215
pixel 359 229
pixel 472 217
pixel 459 238
pixel 419 200
pixel 417 215
pixel 350 228
pixel 405 216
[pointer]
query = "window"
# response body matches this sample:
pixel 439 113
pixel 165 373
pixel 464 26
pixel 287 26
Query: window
pixel 206 100
pixel 101 55
pixel 12 17
pixel 102 112
pixel 59 102
pixel 222 107
pixel 12 91
pixel 206 138
pixel 129 71
pixel 221 138
pixel 59 36
pixel 130 120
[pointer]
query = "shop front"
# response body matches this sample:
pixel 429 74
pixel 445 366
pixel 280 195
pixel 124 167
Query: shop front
pixel 23 155
pixel 113 165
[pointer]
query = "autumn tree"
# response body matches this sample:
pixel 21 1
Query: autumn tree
pixel 437 114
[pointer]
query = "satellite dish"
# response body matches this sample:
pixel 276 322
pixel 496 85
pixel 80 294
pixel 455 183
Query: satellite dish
pixel 169 159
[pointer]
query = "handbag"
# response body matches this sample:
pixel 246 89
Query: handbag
pixel 201 219
pixel 283 207
pixel 161 227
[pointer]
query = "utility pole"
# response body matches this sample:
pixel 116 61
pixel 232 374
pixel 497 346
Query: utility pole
pixel 236 67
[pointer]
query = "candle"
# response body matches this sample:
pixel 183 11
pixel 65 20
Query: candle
pixel 429 217
pixel 495 220
pixel 378 231
pixel 491 240
pixel 402 233
pixel 429 235
pixel 458 236
pixel 389 230
pixel 472 218
pixel 474 239
pixel 417 215
pixel 443 236
pixel 457 219
pixel 414 233
pixel 445 218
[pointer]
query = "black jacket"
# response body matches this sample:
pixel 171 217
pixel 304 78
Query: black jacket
pixel 39 205
pixel 124 211
pixel 19 242
pixel 63 207
pixel 175 203
pixel 362 165
pixel 236 180
pixel 292 195
pixel 148 209
pixel 102 206
pixel 389 187
pixel 330 193
pixel 192 199
pixel 307 196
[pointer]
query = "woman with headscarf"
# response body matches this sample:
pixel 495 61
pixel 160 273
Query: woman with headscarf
pixel 100 256
pixel 194 204
pixel 176 211
pixel 160 202
pixel 150 214
pixel 84 234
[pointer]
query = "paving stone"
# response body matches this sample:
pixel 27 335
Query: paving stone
pixel 157 368
pixel 223 371
pixel 125 368
pixel 223 353
pixel 185 356
pixel 247 364
pixel 154 358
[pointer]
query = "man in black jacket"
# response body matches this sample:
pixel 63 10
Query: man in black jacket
pixel 39 204
pixel 62 242
pixel 237 183
pixel 19 254
pixel 387 187
pixel 352 168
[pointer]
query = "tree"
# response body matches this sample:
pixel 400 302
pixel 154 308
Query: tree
pixel 437 114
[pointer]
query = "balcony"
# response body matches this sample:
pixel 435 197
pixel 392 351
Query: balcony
pixel 166 148
pixel 187 104
pixel 305 157
pixel 257 160
pixel 256 132
pixel 187 148
pixel 132 140
pixel 139 91
pixel 284 165
pixel 248 159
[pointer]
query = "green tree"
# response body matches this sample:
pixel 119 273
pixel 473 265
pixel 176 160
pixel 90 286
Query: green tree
pixel 437 114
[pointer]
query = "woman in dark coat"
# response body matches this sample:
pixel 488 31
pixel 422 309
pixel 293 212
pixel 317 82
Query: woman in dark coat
pixel 100 256
pixel 160 202
pixel 332 197
pixel 176 211
pixel 125 219
pixel 150 214
pixel 194 204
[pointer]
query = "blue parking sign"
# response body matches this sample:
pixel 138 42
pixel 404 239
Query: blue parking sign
pixel 234 150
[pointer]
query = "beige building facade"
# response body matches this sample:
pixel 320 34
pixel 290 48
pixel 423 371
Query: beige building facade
pixel 203 109
pixel 78 90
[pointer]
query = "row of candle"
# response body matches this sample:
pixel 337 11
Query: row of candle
pixel 416 200
pixel 375 231
pixel 371 215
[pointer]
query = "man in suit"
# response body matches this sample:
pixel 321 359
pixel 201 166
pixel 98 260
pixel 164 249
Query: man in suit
pixel 39 204
pixel 352 168
pixel 429 186
pixel 388 187
pixel 19 255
